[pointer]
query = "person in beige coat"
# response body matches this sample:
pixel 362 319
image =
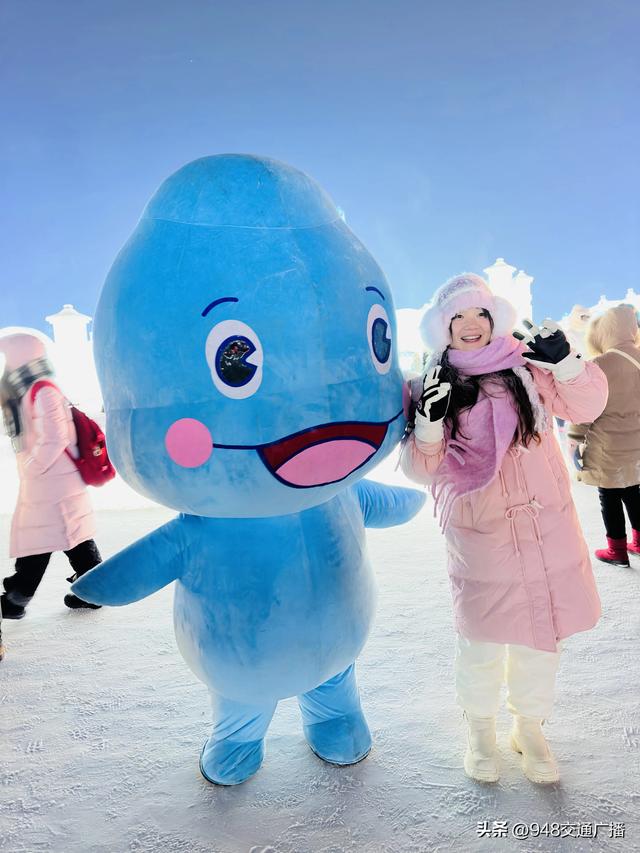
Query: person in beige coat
pixel 608 450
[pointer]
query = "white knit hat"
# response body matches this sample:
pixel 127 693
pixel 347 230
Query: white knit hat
pixel 463 291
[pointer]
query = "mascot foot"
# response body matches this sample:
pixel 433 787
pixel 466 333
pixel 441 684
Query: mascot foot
pixel 342 740
pixel 230 763
pixel 334 725
pixel 235 748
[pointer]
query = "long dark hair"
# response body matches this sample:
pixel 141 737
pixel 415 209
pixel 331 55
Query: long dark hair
pixel 464 395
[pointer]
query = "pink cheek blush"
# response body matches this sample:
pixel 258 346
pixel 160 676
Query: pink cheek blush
pixel 188 443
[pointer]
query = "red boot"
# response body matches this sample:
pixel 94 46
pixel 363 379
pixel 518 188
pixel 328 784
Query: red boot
pixel 615 552
pixel 634 545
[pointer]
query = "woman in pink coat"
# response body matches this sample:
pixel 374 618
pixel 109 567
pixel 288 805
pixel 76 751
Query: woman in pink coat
pixel 53 511
pixel 519 568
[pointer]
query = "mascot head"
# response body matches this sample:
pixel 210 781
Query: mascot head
pixel 245 344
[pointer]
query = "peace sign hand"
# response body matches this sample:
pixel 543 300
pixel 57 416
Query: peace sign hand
pixel 549 350
pixel 547 343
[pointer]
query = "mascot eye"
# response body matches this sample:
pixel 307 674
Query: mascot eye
pixel 235 358
pixel 379 337
pixel 231 361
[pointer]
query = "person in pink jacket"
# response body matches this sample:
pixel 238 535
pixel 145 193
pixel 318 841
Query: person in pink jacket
pixel 53 511
pixel 518 564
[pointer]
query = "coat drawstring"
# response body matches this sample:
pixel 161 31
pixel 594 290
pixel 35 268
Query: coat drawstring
pixel 503 484
pixel 532 510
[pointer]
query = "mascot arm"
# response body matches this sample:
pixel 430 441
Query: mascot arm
pixel 137 571
pixel 386 506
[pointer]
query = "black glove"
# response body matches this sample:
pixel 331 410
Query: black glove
pixel 434 400
pixel 547 343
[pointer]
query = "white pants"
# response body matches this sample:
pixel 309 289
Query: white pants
pixel 482 668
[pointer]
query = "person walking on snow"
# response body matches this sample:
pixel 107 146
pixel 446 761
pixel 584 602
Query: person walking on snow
pixel 519 567
pixel 607 451
pixel 53 511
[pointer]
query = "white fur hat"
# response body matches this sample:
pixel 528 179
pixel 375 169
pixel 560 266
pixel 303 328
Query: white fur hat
pixel 463 291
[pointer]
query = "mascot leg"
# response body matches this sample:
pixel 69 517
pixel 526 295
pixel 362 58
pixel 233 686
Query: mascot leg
pixel 334 725
pixel 235 748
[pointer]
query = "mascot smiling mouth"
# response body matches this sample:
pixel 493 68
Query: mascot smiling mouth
pixel 323 454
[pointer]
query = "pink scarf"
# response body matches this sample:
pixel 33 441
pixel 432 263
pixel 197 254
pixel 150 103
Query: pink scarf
pixel 486 430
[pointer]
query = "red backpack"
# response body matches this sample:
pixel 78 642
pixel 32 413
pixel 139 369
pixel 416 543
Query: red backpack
pixel 93 461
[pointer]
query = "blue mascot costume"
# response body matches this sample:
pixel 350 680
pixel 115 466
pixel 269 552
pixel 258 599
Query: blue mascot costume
pixel 244 341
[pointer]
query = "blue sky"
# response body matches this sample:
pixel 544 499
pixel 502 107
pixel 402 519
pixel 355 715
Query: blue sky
pixel 450 133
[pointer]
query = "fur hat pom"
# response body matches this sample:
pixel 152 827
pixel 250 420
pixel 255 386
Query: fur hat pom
pixel 467 290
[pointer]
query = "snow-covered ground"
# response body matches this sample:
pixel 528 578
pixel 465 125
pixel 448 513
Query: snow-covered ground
pixel 102 723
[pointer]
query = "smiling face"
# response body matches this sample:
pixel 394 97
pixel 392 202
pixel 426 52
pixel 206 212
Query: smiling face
pixel 247 371
pixel 471 329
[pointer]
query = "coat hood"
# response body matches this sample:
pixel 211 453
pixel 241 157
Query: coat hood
pixel 616 326
pixel 21 348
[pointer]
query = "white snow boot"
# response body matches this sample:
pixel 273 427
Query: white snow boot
pixel 481 759
pixel 538 763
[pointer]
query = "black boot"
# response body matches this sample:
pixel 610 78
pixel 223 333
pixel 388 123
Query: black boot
pixel 22 585
pixel 83 558
pixel 13 605
pixel 76 603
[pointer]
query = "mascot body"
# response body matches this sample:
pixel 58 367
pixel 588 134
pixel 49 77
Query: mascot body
pixel 244 342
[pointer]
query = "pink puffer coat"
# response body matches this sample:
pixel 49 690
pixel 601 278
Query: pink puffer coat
pixel 518 564
pixel 53 512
